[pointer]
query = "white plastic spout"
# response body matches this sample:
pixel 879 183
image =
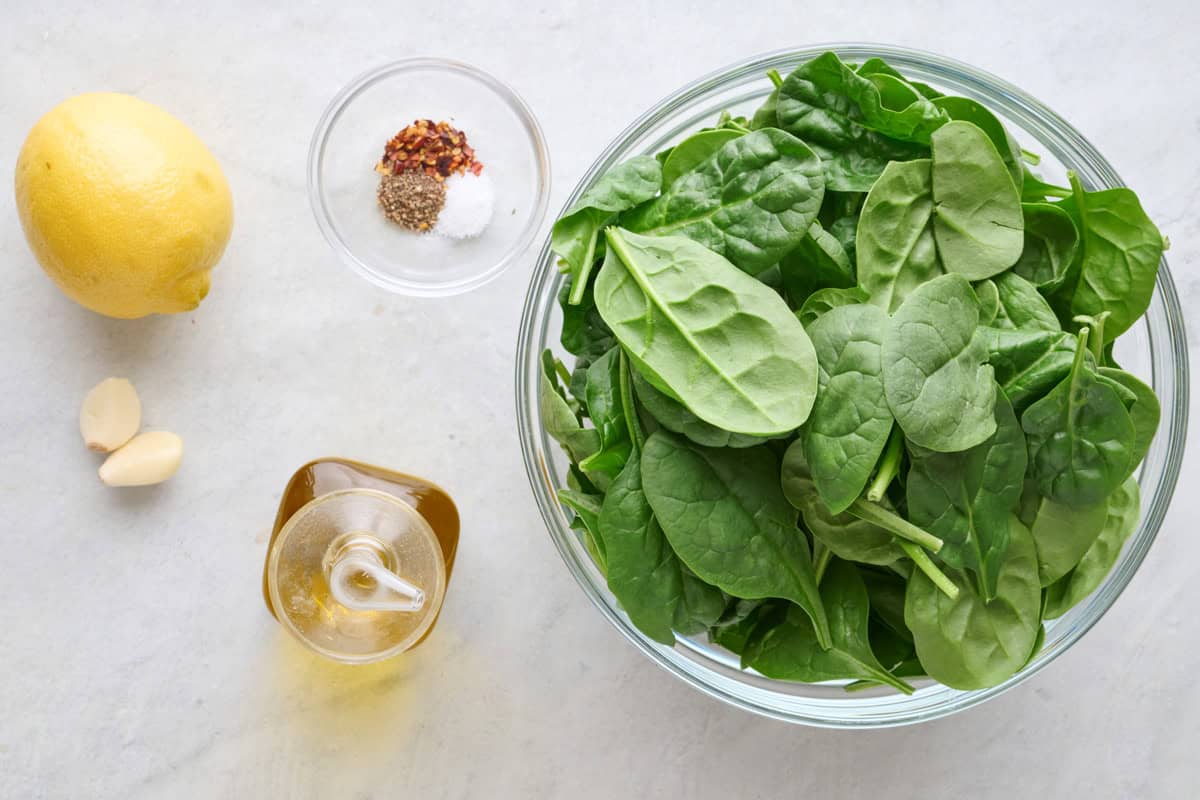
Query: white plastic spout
pixel 360 582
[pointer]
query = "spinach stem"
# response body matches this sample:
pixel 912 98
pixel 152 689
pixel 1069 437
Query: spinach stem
pixel 894 524
pixel 560 369
pixel 1030 158
pixel 821 558
pixel 926 565
pixel 889 465
pixel 775 77
pixel 629 409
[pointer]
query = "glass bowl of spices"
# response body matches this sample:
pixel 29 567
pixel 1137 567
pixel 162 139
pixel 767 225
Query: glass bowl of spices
pixel 428 177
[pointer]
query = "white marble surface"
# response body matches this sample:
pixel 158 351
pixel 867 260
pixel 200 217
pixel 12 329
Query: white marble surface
pixel 136 657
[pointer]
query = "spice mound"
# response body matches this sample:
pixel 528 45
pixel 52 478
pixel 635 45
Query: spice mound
pixel 412 199
pixel 414 168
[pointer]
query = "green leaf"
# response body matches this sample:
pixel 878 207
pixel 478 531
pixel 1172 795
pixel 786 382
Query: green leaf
pixel 1080 436
pixel 1021 306
pixel 824 300
pixel 965 498
pixel 895 242
pixel 937 383
pixel 1028 363
pixel 1121 518
pixel 587 511
pixel 673 416
pixel 584 333
pixel 574 236
pixel 977 211
pixel 967 642
pixel 727 519
pixel 1144 413
pixel 818 262
pixel 560 421
pixel 850 421
pixel 967 110
pixel 603 398
pixel 791 650
pixel 1062 534
pixel 1116 263
pixel 1050 243
pixel 693 151
pixel 695 326
pixel 752 201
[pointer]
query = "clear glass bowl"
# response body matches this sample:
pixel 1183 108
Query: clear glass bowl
pixel 1155 349
pixel 349 141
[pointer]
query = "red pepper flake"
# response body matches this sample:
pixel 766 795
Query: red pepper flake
pixel 434 148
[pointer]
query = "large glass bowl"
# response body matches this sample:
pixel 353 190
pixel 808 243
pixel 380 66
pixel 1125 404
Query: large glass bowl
pixel 1155 349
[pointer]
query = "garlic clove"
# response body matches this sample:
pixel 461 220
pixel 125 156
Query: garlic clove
pixel 110 415
pixel 148 458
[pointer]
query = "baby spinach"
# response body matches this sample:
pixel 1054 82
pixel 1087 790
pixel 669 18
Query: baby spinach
pixel 722 343
pixel 607 412
pixel 1080 436
pixel 1021 306
pixel 976 208
pixel 1121 517
pixel 895 242
pixel 1144 413
pixel 934 373
pixel 1116 263
pixel 1050 243
pixel 574 235
pixel 726 518
pixel 968 642
pixel 673 416
pixel 850 421
pixel 838 325
pixel 818 262
pixel 1062 534
pixel 791 650
pixel 825 300
pixel 965 498
pixel 751 201
pixel 966 110
pixel 693 151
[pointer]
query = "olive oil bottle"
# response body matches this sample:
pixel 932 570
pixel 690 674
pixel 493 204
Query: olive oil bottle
pixel 359 559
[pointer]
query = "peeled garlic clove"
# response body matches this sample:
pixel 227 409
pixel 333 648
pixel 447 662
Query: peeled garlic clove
pixel 148 458
pixel 110 415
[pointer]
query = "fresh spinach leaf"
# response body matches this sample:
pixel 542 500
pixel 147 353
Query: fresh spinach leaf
pixel 726 518
pixel 1050 243
pixel 976 208
pixel 967 642
pixel 1029 363
pixel 584 333
pixel 965 498
pixel 1116 263
pixel 673 416
pixel 607 412
pixel 560 421
pixel 937 383
pixel 1080 437
pixel 818 262
pixel 966 110
pixel 1062 534
pixel 850 421
pixel 693 151
pixel 1021 306
pixel 1122 509
pixel 895 244
pixel 1144 413
pixel 792 651
pixel 694 325
pixel 751 201
pixel 824 300
pixel 989 301
pixel 587 512
pixel 574 236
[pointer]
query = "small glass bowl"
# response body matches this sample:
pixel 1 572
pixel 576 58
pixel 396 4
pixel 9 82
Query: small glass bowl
pixel 349 141
pixel 1155 348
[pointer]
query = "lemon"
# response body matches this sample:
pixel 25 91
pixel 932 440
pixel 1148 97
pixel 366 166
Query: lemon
pixel 123 206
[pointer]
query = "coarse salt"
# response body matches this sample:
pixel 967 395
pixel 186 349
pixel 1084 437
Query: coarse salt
pixel 468 210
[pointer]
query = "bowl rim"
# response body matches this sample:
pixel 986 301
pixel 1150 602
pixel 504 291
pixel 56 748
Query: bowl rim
pixel 739 690
pixel 316 155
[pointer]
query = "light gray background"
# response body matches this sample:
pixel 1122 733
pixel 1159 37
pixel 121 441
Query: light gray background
pixel 136 657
